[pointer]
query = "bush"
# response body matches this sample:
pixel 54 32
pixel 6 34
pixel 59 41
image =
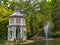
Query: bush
pixel 29 34
pixel 56 34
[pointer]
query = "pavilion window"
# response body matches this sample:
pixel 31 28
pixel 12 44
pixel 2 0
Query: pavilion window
pixel 11 20
pixel 23 21
pixel 18 21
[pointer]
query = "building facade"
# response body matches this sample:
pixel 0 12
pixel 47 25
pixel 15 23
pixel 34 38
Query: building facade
pixel 17 27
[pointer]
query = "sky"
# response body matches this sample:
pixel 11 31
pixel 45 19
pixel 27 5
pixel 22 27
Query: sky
pixel 48 0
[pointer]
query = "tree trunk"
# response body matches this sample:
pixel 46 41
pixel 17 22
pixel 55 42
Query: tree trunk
pixel 31 27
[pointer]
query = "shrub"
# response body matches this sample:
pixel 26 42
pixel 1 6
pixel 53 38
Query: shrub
pixel 56 34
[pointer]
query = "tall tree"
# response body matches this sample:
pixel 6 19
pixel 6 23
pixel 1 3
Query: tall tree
pixel 56 16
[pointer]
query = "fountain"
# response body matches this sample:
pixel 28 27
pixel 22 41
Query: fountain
pixel 46 28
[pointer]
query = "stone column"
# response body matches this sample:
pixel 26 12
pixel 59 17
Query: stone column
pixel 24 34
pixel 21 29
pixel 14 21
pixel 10 37
pixel 14 33
pixel 21 32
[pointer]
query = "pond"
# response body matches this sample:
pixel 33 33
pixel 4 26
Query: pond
pixel 39 42
pixel 50 42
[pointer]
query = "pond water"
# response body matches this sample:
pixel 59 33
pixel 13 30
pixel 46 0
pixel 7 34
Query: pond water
pixel 43 42
pixel 39 42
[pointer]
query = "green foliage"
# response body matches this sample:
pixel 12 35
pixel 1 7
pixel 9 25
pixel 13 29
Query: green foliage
pixel 36 13
pixel 57 33
pixel 4 13
pixel 56 16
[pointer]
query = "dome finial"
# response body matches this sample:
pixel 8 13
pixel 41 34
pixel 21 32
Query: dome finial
pixel 16 7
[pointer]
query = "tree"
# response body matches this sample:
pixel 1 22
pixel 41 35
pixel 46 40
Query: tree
pixel 4 13
pixel 36 13
pixel 56 16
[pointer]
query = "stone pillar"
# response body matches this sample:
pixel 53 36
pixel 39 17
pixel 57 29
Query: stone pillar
pixel 21 32
pixel 10 36
pixel 24 34
pixel 14 32
pixel 14 21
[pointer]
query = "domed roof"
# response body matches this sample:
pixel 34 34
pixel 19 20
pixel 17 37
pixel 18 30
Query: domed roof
pixel 17 13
